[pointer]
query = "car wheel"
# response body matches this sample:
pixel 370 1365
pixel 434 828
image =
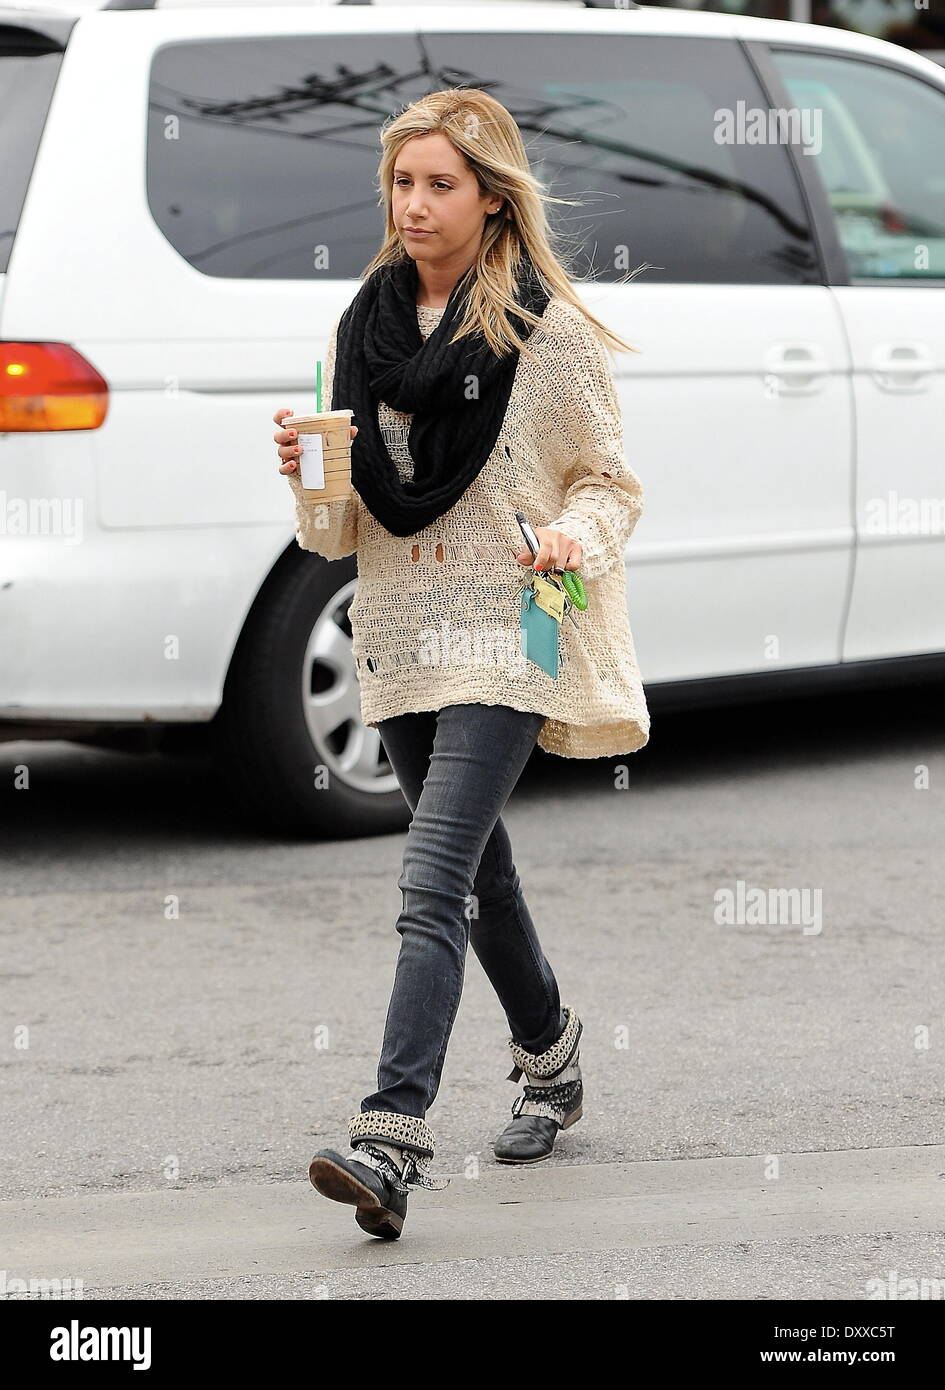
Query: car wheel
pixel 288 739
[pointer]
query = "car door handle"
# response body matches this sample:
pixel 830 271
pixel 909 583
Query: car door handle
pixel 795 368
pixel 901 366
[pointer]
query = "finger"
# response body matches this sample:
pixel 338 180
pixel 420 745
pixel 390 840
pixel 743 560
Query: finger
pixel 285 436
pixel 354 430
pixel 280 416
pixel 573 560
pixel 289 451
pixel 545 552
pixel 560 545
pixel 289 467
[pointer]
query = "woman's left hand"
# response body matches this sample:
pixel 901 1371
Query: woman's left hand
pixel 557 551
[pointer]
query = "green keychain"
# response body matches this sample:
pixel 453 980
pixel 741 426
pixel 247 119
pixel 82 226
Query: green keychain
pixel 575 588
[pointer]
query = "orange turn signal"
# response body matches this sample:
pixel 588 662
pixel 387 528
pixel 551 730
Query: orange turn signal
pixel 49 386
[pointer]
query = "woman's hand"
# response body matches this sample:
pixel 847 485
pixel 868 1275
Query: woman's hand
pixel 289 450
pixel 558 551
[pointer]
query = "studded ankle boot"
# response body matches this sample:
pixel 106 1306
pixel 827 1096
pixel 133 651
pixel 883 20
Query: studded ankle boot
pixel 552 1098
pixel 390 1153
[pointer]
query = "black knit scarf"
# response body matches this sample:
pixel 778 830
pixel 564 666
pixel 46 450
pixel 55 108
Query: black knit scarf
pixel 457 393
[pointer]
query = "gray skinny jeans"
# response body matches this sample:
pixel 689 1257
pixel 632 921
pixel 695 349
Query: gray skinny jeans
pixel 457 767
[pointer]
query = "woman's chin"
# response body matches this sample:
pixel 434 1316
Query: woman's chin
pixel 415 248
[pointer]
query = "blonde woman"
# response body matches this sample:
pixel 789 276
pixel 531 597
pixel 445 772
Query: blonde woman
pixel 481 386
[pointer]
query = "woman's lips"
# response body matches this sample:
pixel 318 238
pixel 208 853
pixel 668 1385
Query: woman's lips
pixel 409 232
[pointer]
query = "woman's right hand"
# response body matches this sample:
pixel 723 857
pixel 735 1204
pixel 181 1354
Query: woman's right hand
pixel 289 447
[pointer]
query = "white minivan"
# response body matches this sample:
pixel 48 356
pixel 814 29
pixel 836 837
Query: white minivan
pixel 187 200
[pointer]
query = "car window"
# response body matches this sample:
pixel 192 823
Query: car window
pixel 29 65
pixel 262 154
pixel 881 155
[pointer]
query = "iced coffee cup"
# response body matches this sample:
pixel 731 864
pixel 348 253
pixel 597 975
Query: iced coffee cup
pixel 325 460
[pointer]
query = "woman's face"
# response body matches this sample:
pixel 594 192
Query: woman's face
pixel 434 190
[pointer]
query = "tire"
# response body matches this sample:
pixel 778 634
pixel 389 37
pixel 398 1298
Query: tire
pixel 291 708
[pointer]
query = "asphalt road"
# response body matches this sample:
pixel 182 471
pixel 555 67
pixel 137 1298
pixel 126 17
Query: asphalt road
pixel 765 1108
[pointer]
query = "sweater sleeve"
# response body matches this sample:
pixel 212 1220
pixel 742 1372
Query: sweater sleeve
pixel 328 528
pixel 603 498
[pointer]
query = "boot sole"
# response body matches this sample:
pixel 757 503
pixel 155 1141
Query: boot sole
pixel 572 1119
pixel 340 1186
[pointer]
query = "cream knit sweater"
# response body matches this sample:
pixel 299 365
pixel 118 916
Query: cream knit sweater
pixel 435 619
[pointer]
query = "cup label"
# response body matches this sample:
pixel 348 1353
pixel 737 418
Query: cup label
pixel 312 460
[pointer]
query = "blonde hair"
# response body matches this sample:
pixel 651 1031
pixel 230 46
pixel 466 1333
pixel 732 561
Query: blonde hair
pixel 487 136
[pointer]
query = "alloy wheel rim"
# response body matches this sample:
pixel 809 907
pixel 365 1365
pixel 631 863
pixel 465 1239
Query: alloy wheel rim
pixel 331 700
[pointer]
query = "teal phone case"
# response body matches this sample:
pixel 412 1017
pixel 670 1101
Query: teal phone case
pixel 539 635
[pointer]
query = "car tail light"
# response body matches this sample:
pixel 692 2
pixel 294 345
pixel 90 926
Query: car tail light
pixel 49 386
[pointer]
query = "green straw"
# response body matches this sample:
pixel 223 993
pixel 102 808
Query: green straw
pixel 318 387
